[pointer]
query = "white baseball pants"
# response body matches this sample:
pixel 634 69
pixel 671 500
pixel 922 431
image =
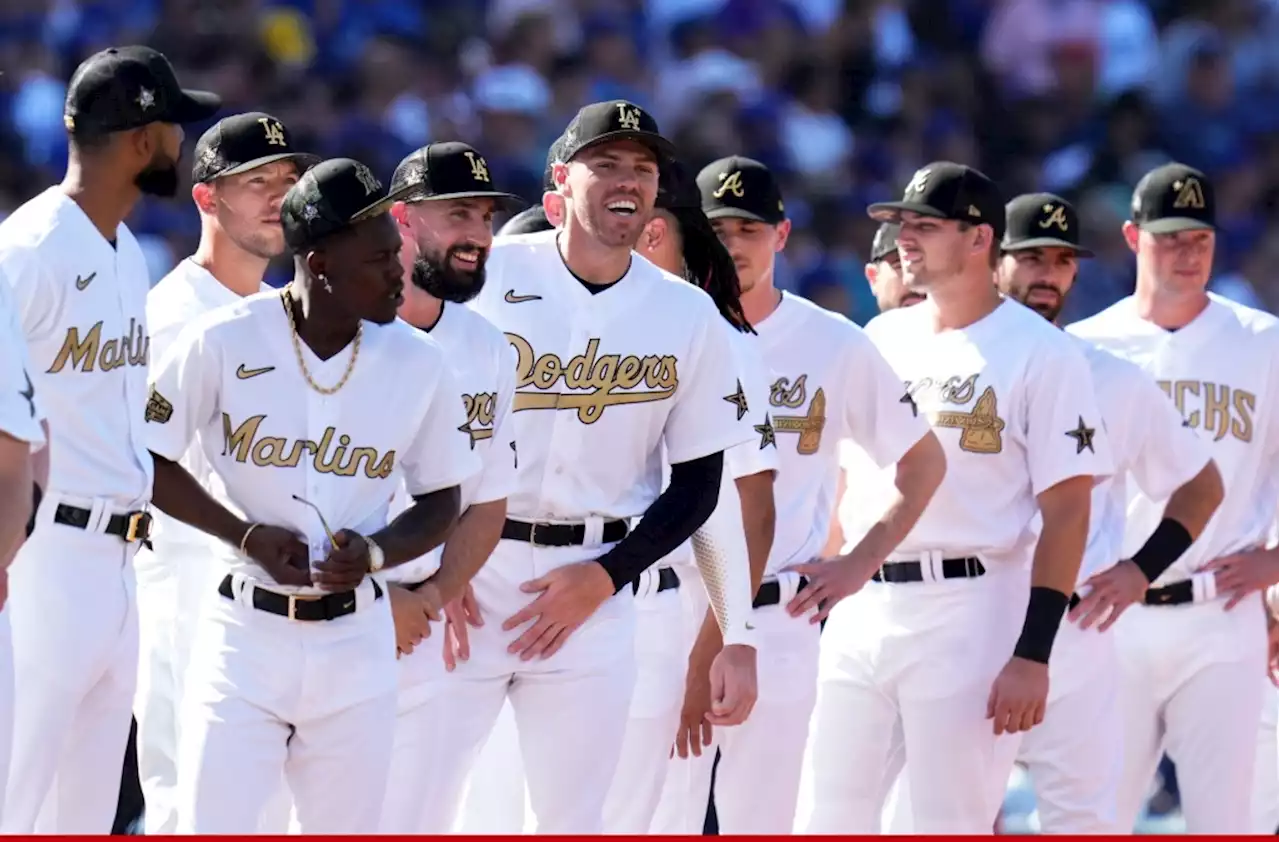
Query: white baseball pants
pixel 1190 685
pixel 913 662
pixel 1266 780
pixel 495 800
pixel 267 697
pixel 6 701
pixel 75 659
pixel 758 781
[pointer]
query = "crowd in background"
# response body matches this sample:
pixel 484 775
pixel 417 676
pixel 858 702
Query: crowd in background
pixel 843 99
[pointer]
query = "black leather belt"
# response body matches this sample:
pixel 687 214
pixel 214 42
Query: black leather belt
pixel 131 526
pixel 561 534
pixel 770 592
pixel 1179 593
pixel 897 572
pixel 668 580
pixel 310 609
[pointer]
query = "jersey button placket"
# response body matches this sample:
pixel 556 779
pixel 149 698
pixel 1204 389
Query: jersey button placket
pixel 318 410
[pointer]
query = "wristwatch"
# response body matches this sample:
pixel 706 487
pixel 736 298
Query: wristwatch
pixel 376 557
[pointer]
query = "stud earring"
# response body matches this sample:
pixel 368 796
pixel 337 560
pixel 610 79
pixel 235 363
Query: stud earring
pixel 325 280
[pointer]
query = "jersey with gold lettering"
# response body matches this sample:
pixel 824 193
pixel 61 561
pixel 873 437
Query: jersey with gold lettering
pixel 827 382
pixel 1221 371
pixel 232 382
pixel 605 380
pixel 484 366
pixel 20 415
pixel 1011 400
pixel 81 302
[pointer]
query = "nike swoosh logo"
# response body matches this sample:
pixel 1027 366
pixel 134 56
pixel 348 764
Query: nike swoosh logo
pixel 512 298
pixel 83 283
pixel 245 373
pixel 348 605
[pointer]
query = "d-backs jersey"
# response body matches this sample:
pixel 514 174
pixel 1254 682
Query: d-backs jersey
pixel 1012 402
pixel 20 414
pixel 605 381
pixel 81 302
pixel 1221 372
pixel 485 369
pixel 827 383
pixel 232 383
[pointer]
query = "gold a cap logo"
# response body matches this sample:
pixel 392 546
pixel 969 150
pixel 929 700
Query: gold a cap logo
pixel 628 117
pixel 1190 195
pixel 273 131
pixel 1057 216
pixel 479 169
pixel 730 182
pixel 918 182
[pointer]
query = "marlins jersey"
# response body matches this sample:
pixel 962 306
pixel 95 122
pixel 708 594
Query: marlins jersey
pixel 485 369
pixel 827 382
pixel 604 381
pixel 1012 402
pixel 232 383
pixel 20 415
pixel 81 302
pixel 1221 372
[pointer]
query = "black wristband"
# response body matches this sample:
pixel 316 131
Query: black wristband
pixel 1165 546
pixel 1044 614
pixel 36 496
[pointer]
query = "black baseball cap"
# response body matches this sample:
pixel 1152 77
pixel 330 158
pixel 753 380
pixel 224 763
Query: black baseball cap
pixel 125 88
pixel 450 170
pixel 946 190
pixel 555 155
pixel 885 242
pixel 244 142
pixel 331 196
pixel 740 187
pixel 1042 220
pixel 617 119
pixel 676 189
pixel 1172 198
pixel 528 221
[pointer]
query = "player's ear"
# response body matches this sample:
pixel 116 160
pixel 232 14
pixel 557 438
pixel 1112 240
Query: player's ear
pixel 553 207
pixel 783 229
pixel 315 262
pixel 654 232
pixel 1131 233
pixel 871 271
pixel 203 196
pixel 399 214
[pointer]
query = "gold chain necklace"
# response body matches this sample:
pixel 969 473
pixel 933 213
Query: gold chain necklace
pixel 302 363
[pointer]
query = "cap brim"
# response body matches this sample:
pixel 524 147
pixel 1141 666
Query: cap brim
pixel 1045 243
pixel 662 148
pixel 304 160
pixel 1173 224
pixel 730 212
pixel 509 201
pixel 892 211
pixel 194 107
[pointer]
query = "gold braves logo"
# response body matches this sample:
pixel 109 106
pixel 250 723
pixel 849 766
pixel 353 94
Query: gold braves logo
pixel 479 409
pixel 244 444
pixel 479 169
pixel 730 182
pixel 1057 215
pixel 628 117
pixel 274 131
pixel 131 349
pixel 918 182
pixel 602 381
pixel 980 428
pixel 808 427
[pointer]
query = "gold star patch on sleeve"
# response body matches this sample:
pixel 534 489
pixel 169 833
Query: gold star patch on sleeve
pixel 159 409
pixel 738 399
pixel 1083 435
pixel 766 433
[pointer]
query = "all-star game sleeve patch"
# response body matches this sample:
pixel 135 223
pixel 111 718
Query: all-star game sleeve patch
pixel 910 401
pixel 1083 436
pixel 738 399
pixel 766 432
pixel 159 409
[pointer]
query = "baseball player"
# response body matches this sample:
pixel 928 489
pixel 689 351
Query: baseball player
pixel 294 399
pixel 1192 653
pixel 1266 791
pixel 617 363
pixel 1075 756
pixel 827 382
pixel 445 215
pixel 930 648
pixel 79 281
pixel 243 166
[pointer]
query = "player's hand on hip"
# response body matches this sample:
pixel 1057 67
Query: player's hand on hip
pixel 281 553
pixel 1108 594
pixel 693 734
pixel 1242 573
pixel 568 595
pixel 1018 696
pixel 408 613
pixel 344 568
pixel 459 614
pixel 733 685
pixel 829 582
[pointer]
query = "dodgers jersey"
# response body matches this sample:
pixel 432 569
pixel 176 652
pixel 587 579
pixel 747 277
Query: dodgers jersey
pixel 827 382
pixel 82 306
pixel 1011 400
pixel 485 369
pixel 1221 371
pixel 604 381
pixel 232 384
pixel 20 414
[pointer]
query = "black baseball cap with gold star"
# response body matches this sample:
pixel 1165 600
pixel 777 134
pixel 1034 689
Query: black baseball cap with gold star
pixel 448 170
pixel 616 119
pixel 743 188
pixel 125 88
pixel 1042 220
pixel 947 190
pixel 331 196
pixel 245 142
pixel 1174 197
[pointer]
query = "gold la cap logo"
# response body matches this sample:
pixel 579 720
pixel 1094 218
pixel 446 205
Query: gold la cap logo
pixel 1056 215
pixel 1190 194
pixel 628 117
pixel 479 169
pixel 273 131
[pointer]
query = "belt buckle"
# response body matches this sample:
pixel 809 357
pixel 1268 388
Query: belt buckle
pixel 294 599
pixel 133 532
pixel 533 534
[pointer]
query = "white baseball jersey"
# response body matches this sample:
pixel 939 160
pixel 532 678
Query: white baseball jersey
pixel 20 413
pixel 183 296
pixel 604 381
pixel 232 383
pixel 827 382
pixel 81 302
pixel 1012 402
pixel 485 369
pixel 1149 442
pixel 1221 371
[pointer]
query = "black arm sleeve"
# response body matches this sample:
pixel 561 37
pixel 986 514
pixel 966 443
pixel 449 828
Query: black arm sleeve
pixel 687 502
